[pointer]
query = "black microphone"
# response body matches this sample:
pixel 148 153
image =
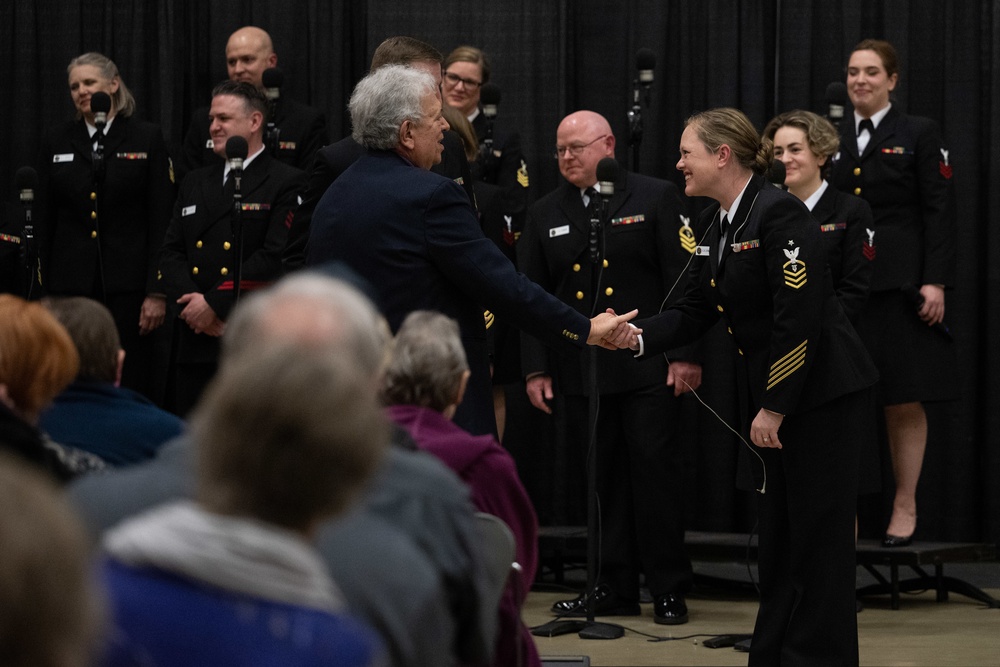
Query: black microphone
pixel 100 106
pixel 26 180
pixel 272 78
pixel 236 152
pixel 489 97
pixel 645 62
pixel 776 173
pixel 607 174
pixel 917 299
pixel 836 100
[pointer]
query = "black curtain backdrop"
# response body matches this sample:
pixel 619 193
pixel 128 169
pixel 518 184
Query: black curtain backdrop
pixel 551 58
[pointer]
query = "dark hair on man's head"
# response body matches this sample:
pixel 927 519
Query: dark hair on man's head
pixel 92 329
pixel 253 99
pixel 404 50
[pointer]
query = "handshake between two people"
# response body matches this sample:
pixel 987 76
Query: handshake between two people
pixel 613 332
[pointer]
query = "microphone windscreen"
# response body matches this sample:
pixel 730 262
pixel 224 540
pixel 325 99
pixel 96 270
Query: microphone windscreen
pixel 836 93
pixel 645 59
pixel 645 62
pixel 272 77
pixel 607 170
pixel 100 102
pixel 490 94
pixel 776 172
pixel 26 178
pixel 236 147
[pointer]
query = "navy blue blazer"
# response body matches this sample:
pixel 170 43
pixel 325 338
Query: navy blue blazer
pixel 415 237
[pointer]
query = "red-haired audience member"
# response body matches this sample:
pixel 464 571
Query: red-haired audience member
pixel 285 439
pixel 424 383
pixel 50 612
pixel 37 361
pixel 94 413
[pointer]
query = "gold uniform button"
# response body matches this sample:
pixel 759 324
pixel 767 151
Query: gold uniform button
pixel 576 267
pixel 719 307
pixel 225 246
pixel 605 264
pixel 857 191
pixel 857 171
pixel 93 215
pixel 730 330
pixel 93 234
pixel 740 351
pixel 224 271
pixel 194 270
pixel 198 244
pixel 579 296
pixel 609 291
pixel 93 196
pixel 712 282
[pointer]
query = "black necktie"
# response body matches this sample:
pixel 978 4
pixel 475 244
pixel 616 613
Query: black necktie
pixel 866 124
pixel 591 197
pixel 723 230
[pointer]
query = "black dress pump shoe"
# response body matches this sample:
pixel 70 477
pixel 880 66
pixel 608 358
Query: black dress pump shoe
pixel 891 541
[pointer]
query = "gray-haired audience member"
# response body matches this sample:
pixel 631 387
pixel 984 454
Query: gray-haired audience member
pixel 94 413
pixel 406 559
pixel 286 438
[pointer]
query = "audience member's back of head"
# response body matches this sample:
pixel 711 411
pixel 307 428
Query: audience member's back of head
pixel 287 434
pixel 92 329
pixel 50 613
pixel 37 356
pixel 309 310
pixel 427 362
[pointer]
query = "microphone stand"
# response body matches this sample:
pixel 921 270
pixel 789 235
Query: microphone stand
pixel 593 629
pixel 29 251
pixel 237 229
pixel 635 127
pixel 98 173
pixel 272 132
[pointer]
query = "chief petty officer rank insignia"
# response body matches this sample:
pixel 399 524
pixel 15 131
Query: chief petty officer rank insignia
pixel 794 269
pixel 687 235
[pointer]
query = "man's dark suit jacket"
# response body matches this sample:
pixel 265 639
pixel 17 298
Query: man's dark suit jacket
pixel 331 161
pixel 415 237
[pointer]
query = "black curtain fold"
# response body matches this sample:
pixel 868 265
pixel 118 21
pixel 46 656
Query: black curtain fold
pixel 552 58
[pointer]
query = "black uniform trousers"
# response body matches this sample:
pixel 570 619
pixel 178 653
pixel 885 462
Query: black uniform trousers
pixel 638 486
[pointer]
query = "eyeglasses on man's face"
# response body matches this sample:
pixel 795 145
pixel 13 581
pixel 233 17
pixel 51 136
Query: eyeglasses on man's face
pixel 575 149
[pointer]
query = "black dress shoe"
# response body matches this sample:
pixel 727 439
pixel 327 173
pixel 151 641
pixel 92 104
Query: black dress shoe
pixel 890 541
pixel 606 603
pixel 670 609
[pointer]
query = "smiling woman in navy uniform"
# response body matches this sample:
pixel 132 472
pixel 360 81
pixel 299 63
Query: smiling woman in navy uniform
pixel 102 240
pixel 804 386
pixel 902 168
